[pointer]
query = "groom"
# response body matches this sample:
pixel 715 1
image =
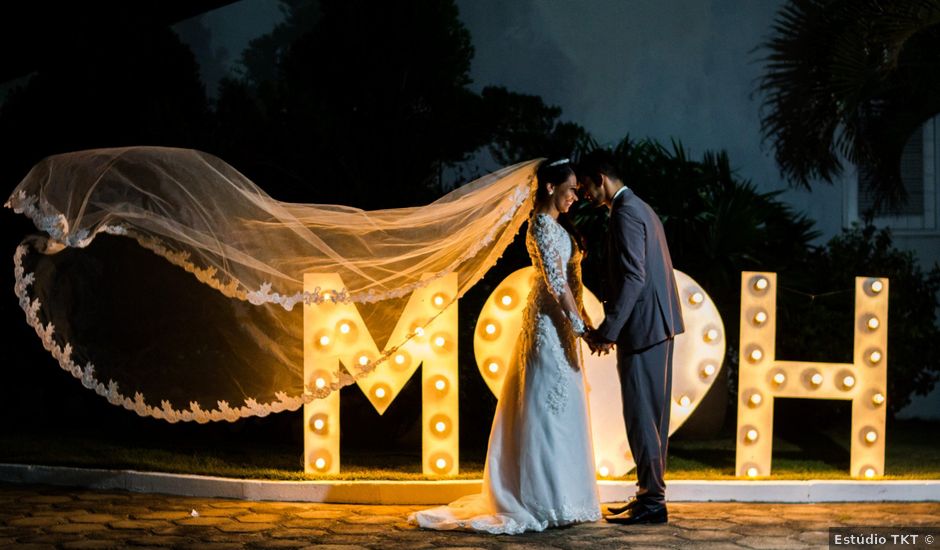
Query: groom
pixel 641 305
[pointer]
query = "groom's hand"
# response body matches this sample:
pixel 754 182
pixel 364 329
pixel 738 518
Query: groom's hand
pixel 599 345
pixel 590 338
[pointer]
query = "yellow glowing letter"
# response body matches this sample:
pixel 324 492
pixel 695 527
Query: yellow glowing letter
pixel 334 334
pixel 762 377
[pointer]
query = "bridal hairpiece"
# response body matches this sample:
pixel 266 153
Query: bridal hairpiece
pixel 559 162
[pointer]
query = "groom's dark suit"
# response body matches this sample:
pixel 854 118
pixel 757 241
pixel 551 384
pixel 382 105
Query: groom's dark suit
pixel 641 304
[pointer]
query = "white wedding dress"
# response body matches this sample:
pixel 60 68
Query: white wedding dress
pixel 539 469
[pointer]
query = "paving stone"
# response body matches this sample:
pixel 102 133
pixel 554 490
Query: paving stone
pixel 215 546
pixel 297 533
pixel 352 529
pixel 307 523
pixel 258 518
pixel 207 511
pixel 155 540
pixel 321 514
pixel 201 521
pixel 707 534
pixel 245 527
pixel 374 519
pixel 50 538
pixel 162 515
pixel 28 546
pixel 334 547
pixel 86 517
pixel 763 530
pixel 92 544
pixel 814 537
pixel 703 524
pixel 776 543
pixel 138 524
pixel 238 504
pixel 78 528
pixel 281 543
pixel 40 521
pixel 159 521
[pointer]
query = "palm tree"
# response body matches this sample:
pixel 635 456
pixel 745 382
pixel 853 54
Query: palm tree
pixel 852 79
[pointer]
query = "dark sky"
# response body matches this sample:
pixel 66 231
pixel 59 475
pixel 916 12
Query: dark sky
pixel 664 69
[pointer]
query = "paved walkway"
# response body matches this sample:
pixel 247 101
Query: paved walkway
pixel 48 517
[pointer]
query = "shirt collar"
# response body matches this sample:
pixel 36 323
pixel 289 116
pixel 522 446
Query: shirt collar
pixel 617 194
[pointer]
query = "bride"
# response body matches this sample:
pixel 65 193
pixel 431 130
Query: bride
pixel 539 469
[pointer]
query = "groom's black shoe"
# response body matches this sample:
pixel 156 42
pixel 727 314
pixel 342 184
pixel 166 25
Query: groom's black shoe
pixel 640 514
pixel 615 510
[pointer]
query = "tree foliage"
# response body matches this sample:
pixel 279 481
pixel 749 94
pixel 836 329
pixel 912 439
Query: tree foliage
pixel 852 79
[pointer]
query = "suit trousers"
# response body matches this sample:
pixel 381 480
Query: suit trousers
pixel 646 389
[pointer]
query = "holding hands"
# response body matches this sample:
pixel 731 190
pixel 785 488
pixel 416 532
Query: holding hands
pixel 598 345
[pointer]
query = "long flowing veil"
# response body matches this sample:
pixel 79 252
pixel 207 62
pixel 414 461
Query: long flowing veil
pixel 223 341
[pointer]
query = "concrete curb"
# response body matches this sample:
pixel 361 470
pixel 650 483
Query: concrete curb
pixel 439 492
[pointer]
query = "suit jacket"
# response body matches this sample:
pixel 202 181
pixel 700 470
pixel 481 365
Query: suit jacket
pixel 641 301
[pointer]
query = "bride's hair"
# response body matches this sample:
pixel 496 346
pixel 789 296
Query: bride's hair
pixel 556 172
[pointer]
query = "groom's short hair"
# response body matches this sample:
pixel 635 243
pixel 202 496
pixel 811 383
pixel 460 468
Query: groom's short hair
pixel 595 163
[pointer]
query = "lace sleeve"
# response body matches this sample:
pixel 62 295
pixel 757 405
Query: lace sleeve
pixel 546 257
pixel 544 247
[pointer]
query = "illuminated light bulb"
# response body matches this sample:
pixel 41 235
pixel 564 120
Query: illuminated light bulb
pixel 490 328
pixel 363 360
pixel 870 473
pixel 871 436
pixel 320 463
pixel 324 340
pixel 780 378
pixel 327 296
pixel 440 463
pixel 685 401
pixel 320 383
pixel 760 317
pixel 711 335
pixel 756 399
pixel 344 328
pixel 756 355
pixel 761 284
pixel 816 379
pixel 751 435
pixel 877 286
pixel 318 424
pixel 708 369
pixel 400 359
pixel 440 385
pixel 878 399
pixel 506 300
pixel 440 426
pixel 439 341
pixel 438 300
pixel 604 471
pixel 752 472
pixel 419 331
pixel 848 381
pixel 873 323
pixel 379 392
pixel 875 356
pixel 696 298
pixel 493 367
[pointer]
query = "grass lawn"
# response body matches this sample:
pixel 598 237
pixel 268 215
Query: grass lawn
pixel 913 452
